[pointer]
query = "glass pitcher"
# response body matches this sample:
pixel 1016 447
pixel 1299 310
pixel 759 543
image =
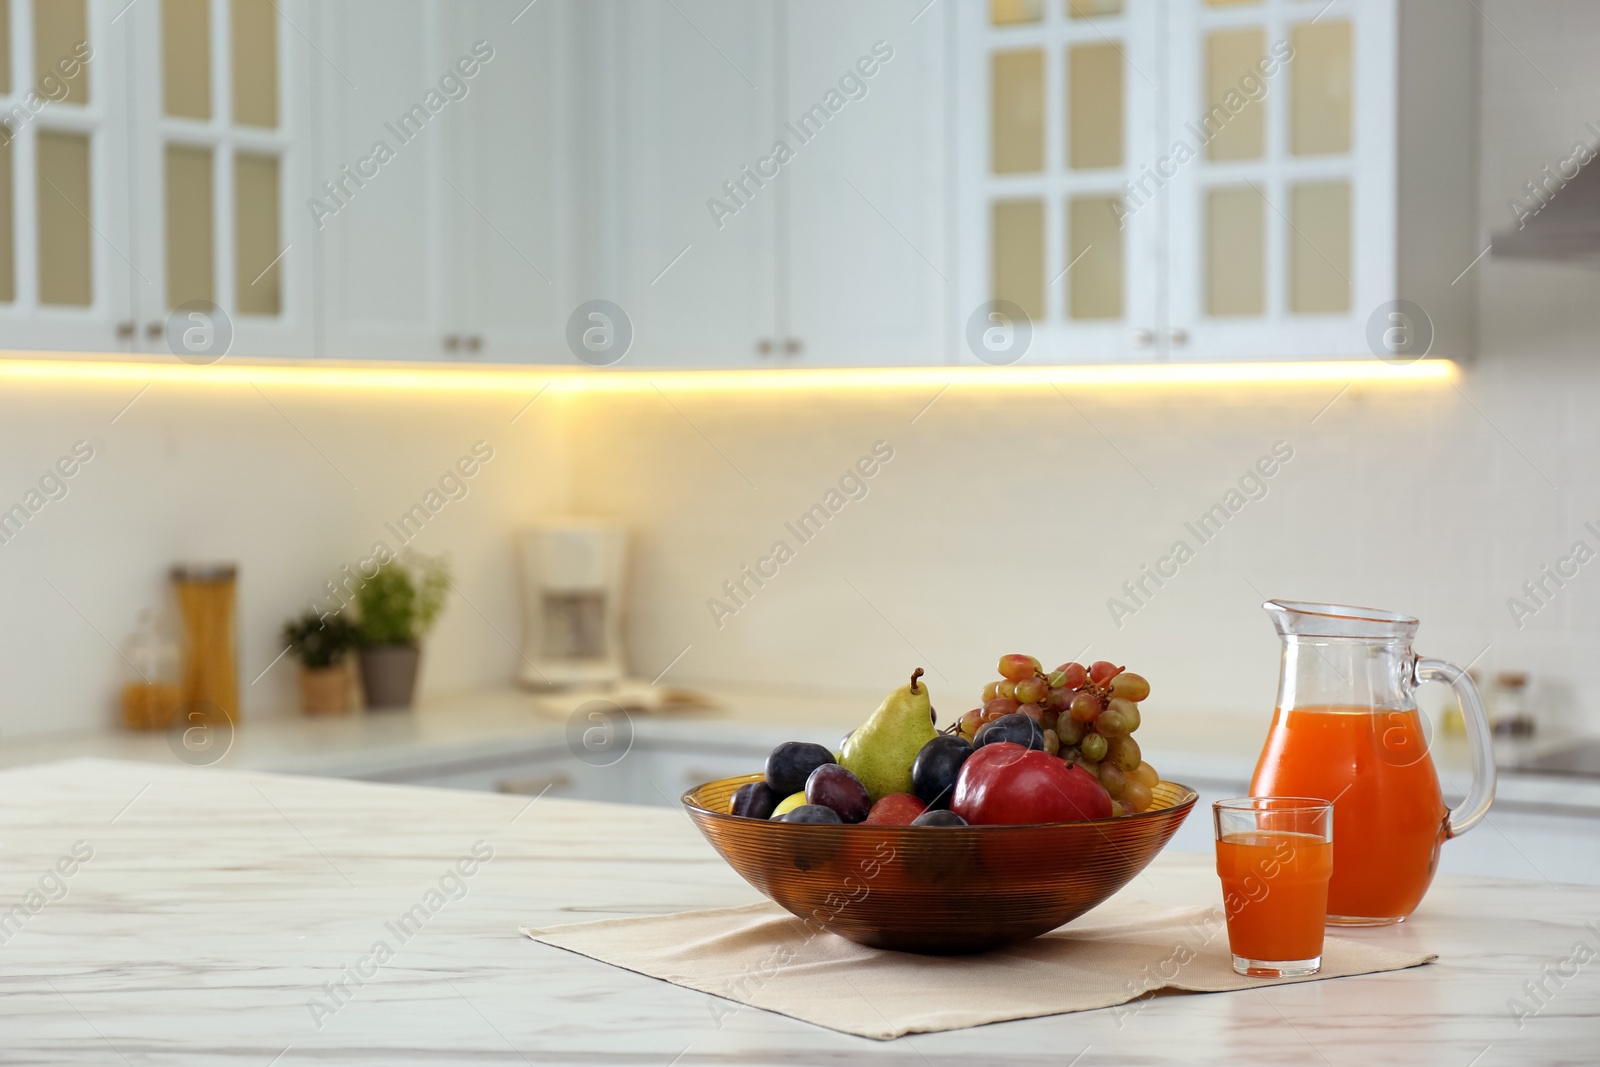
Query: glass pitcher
pixel 1347 729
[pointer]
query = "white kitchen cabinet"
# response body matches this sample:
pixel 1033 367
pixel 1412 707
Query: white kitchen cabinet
pixel 507 181
pixel 866 257
pixel 774 186
pixel 678 232
pixel 159 175
pixel 66 257
pixel 656 773
pixel 1062 106
pixel 380 236
pixel 220 139
pixel 1290 169
pixel 455 246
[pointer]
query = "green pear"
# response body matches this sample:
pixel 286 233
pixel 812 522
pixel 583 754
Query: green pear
pixel 881 750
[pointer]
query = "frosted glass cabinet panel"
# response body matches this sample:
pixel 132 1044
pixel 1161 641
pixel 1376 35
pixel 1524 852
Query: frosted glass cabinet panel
pixel 1217 179
pixel 64 238
pixel 219 138
pixel 1071 115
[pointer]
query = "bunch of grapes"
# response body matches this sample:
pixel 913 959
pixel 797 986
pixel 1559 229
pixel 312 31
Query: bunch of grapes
pixel 1088 715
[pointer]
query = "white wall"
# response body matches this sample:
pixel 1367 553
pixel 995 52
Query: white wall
pixel 1007 519
pixel 204 472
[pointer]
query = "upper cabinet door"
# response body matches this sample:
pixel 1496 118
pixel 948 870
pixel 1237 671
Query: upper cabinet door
pixel 219 163
pixel 1281 175
pixel 65 254
pixel 380 193
pixel 508 180
pixel 866 242
pixel 678 130
pixel 1061 119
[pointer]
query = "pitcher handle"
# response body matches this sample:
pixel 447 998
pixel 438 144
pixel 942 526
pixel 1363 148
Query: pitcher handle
pixel 1475 806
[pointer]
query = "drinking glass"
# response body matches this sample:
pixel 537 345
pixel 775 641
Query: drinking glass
pixel 1275 856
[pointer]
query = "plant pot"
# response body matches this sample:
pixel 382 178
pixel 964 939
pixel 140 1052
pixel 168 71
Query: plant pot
pixel 325 690
pixel 389 675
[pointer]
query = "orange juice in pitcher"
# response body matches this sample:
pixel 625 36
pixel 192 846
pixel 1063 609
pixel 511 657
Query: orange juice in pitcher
pixel 1347 730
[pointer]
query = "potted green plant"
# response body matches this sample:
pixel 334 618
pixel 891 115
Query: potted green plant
pixel 396 607
pixel 320 642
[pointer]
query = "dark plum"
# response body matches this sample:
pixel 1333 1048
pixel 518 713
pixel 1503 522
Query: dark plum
pixel 811 813
pixel 1017 728
pixel 933 774
pixel 834 787
pixel 791 763
pixel 938 817
pixel 754 801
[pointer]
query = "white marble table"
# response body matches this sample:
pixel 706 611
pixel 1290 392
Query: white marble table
pixel 220 909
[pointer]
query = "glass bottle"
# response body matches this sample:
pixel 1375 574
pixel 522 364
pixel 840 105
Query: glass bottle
pixel 150 689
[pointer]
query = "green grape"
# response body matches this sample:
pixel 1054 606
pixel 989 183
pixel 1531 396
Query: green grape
pixel 1091 766
pixel 1060 699
pixel 1124 752
pixel 1117 808
pixel 1031 690
pixel 1127 711
pixel 1057 679
pixel 1006 690
pixel 1114 779
pixel 1094 747
pixel 1130 686
pixel 1136 796
pixel 1112 724
pixel 1070 730
pixel 991 691
pixel 1146 774
pixel 1052 742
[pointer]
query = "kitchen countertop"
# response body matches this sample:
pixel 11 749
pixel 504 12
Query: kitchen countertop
pixel 1196 749
pixel 208 910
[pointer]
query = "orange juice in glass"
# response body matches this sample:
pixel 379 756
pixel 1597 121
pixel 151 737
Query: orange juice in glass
pixel 1274 856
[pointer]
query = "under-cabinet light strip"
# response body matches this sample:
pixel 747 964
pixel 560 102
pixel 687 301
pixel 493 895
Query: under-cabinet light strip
pixel 488 378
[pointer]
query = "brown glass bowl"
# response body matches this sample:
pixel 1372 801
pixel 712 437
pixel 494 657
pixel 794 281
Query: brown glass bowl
pixel 937 889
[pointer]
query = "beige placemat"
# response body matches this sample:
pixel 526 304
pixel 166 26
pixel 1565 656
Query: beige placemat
pixel 763 956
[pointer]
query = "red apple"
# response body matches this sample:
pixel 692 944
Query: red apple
pixel 896 809
pixel 1006 784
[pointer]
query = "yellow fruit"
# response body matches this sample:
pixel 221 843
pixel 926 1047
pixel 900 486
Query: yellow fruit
pixel 789 803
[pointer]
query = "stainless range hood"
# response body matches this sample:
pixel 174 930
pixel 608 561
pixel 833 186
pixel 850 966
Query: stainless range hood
pixel 1566 229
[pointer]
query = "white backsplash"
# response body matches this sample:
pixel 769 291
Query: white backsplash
pixel 291 484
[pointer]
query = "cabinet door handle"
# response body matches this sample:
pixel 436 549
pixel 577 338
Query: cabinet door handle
pixel 694 776
pixel 1178 336
pixel 452 341
pixel 529 787
pixel 1144 338
pixel 792 346
pixel 764 347
pixel 154 330
pixel 126 329
pixel 473 342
